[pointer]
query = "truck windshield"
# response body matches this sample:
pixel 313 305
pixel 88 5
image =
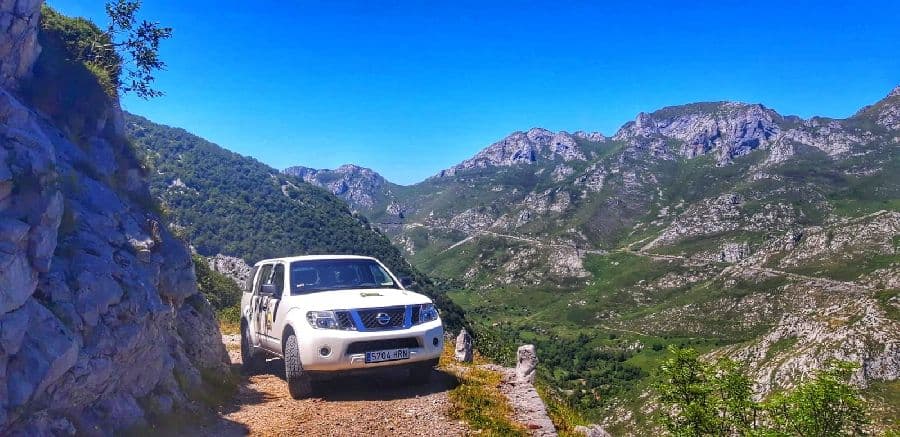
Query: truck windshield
pixel 336 274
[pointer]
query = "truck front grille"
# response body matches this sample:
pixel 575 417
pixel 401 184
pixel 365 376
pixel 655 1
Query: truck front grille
pixel 382 318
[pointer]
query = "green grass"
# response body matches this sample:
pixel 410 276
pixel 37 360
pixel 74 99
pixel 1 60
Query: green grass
pixel 780 346
pixel 887 300
pixel 618 270
pixel 479 403
pixel 565 417
pixel 847 269
pixel 885 394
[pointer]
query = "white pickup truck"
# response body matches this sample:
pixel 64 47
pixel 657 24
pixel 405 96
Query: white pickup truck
pixel 327 315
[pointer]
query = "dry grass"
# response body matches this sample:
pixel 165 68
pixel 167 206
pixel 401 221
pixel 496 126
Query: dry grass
pixel 477 400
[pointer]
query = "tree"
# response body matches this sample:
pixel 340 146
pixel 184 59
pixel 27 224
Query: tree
pixel 825 406
pixel 124 57
pixel 137 43
pixel 706 399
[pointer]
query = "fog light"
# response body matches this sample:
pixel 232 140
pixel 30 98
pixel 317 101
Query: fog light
pixel 325 351
pixel 435 341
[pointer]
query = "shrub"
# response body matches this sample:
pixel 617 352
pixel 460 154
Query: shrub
pixel 700 399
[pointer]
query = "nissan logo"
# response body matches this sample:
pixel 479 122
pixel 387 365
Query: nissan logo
pixel 383 319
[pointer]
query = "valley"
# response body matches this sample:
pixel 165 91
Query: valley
pixel 693 235
pixel 723 226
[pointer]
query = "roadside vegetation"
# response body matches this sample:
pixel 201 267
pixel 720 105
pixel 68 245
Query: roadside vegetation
pixel 222 293
pixel 477 400
pixel 710 399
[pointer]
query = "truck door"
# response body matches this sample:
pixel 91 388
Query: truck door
pixel 258 304
pixel 273 337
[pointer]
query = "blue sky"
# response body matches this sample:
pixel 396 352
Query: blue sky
pixel 409 88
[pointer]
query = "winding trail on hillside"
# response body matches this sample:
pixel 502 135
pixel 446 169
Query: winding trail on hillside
pixel 382 405
pixel 853 286
pixel 531 241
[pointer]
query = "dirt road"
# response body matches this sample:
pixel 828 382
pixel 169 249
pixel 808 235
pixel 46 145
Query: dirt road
pixel 383 405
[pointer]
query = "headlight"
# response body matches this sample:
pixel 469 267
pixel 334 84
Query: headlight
pixel 322 319
pixel 427 313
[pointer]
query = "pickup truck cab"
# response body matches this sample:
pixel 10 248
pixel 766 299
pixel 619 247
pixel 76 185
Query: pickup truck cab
pixel 331 314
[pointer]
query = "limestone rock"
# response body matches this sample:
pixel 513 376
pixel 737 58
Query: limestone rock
pixel 523 148
pixel 727 129
pixel 591 431
pixel 359 186
pixel 235 268
pixel 18 46
pixel 463 352
pixel 526 363
pixel 99 311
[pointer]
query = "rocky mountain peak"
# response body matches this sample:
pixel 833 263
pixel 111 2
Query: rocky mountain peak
pixel 357 185
pixel 885 112
pixel 524 148
pixel 895 92
pixel 592 136
pixel 729 129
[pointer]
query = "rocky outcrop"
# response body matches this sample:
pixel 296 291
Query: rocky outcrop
pixel 18 45
pixel 101 324
pixel 524 148
pixel 463 350
pixel 235 268
pixel 526 363
pixel 727 129
pixel 591 431
pixel 848 328
pixel 527 406
pixel 359 186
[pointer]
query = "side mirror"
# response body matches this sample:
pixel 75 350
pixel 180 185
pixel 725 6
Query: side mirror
pixel 406 281
pixel 268 290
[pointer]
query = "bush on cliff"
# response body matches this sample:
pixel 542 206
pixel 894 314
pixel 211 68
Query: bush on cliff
pixel 700 398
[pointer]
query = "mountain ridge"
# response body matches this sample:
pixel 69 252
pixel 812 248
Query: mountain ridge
pixel 684 122
pixel 723 225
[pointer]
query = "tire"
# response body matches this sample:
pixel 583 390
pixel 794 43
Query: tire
pixel 250 362
pixel 299 382
pixel 420 373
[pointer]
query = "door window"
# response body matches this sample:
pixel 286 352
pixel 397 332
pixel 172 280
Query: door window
pixel 248 285
pixel 278 279
pixel 265 276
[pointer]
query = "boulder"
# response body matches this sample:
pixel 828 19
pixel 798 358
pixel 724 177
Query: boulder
pixel 591 431
pixel 526 363
pixel 463 352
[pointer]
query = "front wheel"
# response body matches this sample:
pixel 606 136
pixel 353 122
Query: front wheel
pixel 250 362
pixel 299 383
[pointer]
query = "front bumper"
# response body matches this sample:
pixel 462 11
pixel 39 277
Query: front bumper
pixel 341 358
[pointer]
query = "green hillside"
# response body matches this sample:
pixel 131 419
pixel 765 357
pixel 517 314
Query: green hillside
pixel 225 203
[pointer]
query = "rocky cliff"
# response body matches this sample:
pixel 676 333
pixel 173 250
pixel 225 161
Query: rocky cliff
pixel 358 186
pixel 101 325
pixel 525 148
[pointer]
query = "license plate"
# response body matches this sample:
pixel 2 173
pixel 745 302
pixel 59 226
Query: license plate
pixel 387 355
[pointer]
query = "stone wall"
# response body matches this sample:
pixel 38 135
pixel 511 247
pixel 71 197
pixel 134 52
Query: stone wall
pixel 101 324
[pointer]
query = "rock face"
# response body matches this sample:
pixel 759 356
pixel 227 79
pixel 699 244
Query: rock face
pixel 526 363
pixel 101 324
pixel 18 47
pixel 727 129
pixel 463 352
pixel 233 267
pixel 359 186
pixel 525 148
